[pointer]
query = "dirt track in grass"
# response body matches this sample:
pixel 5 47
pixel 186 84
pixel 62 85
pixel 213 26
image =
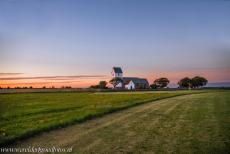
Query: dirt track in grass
pixel 191 123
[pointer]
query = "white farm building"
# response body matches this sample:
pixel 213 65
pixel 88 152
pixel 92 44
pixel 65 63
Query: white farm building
pixel 130 83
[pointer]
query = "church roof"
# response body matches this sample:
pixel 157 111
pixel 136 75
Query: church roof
pixel 117 70
pixel 135 80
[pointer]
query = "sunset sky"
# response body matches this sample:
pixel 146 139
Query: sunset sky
pixel 76 43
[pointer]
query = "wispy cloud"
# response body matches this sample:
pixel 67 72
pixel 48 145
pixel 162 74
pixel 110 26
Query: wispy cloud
pixel 54 77
pixel 9 74
pixel 37 83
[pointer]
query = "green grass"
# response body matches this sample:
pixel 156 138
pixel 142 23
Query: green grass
pixel 188 124
pixel 24 115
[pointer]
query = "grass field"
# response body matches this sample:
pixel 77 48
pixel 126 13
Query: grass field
pixel 196 123
pixel 23 115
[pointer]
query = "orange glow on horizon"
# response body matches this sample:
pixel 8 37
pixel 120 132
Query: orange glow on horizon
pixel 80 83
pixel 213 75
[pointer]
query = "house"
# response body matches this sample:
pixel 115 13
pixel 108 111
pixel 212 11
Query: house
pixel 130 83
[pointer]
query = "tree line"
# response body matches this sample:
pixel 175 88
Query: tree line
pixel 195 82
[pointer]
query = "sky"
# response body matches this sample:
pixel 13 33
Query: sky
pixel 77 42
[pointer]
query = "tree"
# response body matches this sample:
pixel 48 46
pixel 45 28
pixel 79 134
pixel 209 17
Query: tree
pixel 153 86
pixel 198 81
pixel 102 84
pixel 94 86
pixel 161 82
pixel 115 81
pixel 195 82
pixel 68 87
pixel 185 83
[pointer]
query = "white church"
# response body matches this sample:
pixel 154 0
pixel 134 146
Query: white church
pixel 130 83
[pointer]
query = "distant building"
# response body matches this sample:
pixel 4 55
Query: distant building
pixel 130 83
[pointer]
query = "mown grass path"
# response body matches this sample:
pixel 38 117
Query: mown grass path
pixel 196 123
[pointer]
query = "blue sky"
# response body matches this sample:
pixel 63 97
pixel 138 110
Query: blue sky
pixel 147 38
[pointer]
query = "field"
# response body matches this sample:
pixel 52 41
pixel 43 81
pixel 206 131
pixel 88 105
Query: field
pixel 23 115
pixel 177 121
